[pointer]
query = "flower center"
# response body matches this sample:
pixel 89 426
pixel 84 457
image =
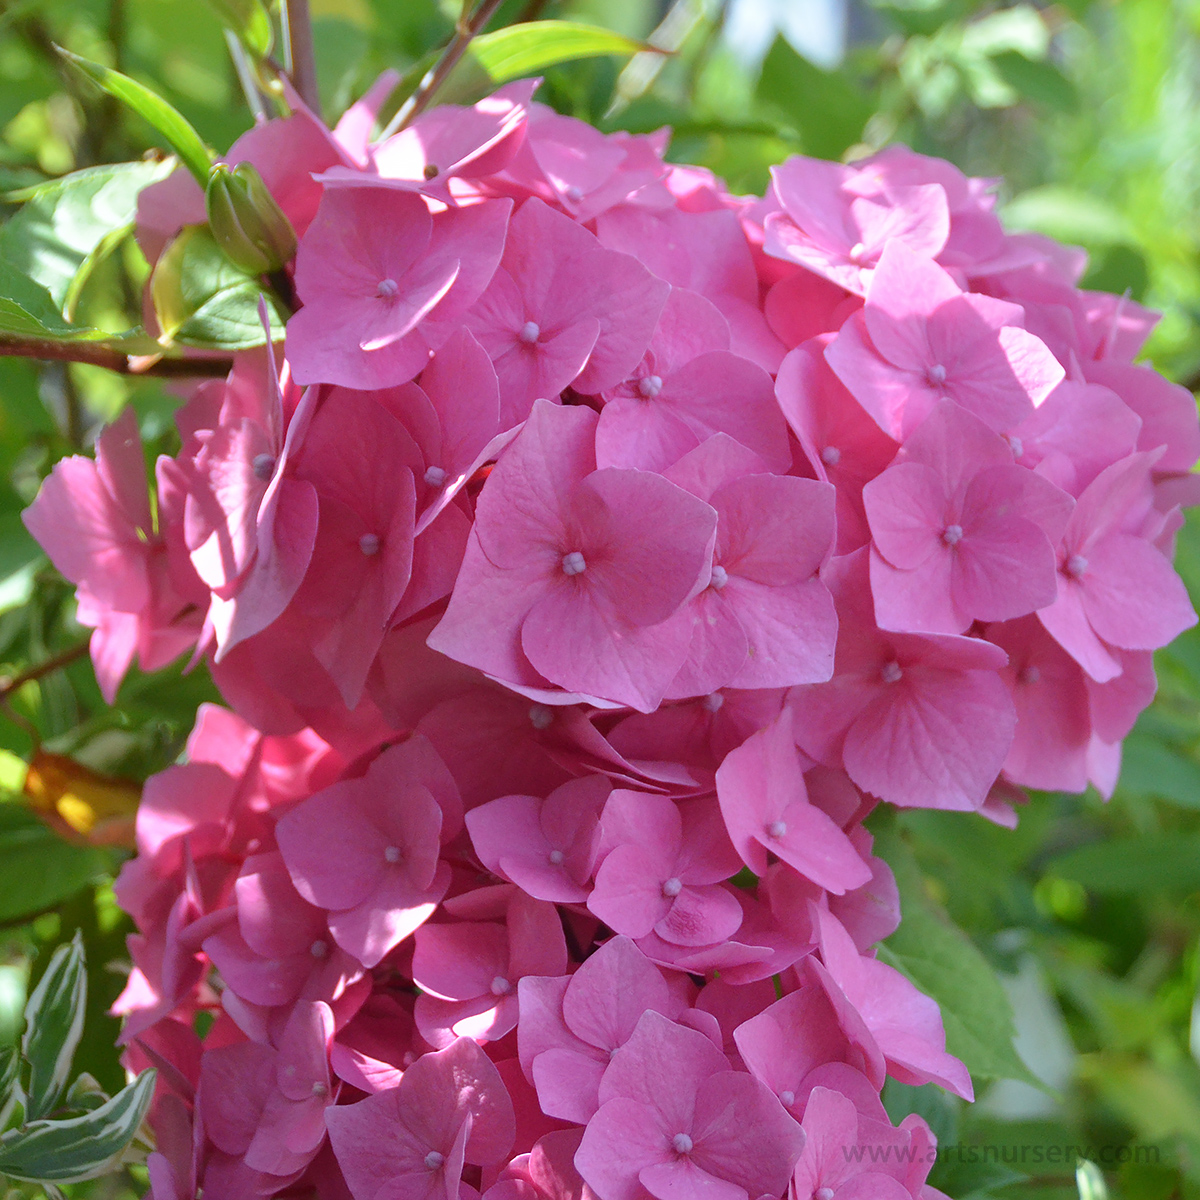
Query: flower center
pixel 952 535
pixel 391 854
pixel 1015 445
pixel 720 577
pixel 936 374
pixel 858 254
pixel 1030 674
pixel 430 171
pixel 574 563
pixel 682 1144
pixel 672 887
pixel 713 702
pixel 263 466
pixel 649 386
pixel 776 830
pixel 320 1089
pixel 385 289
pixel 831 456
pixel 891 672
pixel 433 1160
pixel 787 1099
pixel 500 986
pixel 556 858
pixel 530 332
pixel 574 194
pixel 541 717
pixel 369 544
pixel 823 1193
pixel 318 949
pixel 1076 565
pixel 435 476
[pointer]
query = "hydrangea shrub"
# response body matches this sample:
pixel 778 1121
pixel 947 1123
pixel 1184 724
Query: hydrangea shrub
pixel 598 551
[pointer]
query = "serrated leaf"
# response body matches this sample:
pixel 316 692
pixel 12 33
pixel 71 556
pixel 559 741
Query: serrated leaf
pixel 174 127
pixel 40 869
pixel 53 1027
pixel 204 300
pixel 531 46
pixel 944 963
pixel 81 1148
pixel 64 225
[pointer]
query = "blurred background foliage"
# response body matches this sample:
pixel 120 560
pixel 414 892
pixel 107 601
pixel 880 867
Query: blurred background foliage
pixel 1089 111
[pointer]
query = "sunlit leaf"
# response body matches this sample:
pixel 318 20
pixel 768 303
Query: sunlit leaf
pixel 53 1027
pixel 94 806
pixel 63 227
pixel 80 1148
pixel 172 126
pixel 533 46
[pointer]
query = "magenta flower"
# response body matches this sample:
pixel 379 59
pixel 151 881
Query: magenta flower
pixel 960 533
pixel 664 869
pixel 367 849
pixel 382 282
pixel 906 1024
pixel 1115 588
pixel 93 520
pixel 766 809
pixel 562 310
pixel 765 620
pixel 916 719
pixel 267 1106
pixel 828 226
pixel 410 1142
pixel 795 1039
pixel 356 456
pixel 548 847
pixel 920 339
pixel 841 442
pixel 830 1168
pixel 468 972
pixel 686 388
pixel 676 1121
pixel 279 947
pixel 570 1027
pixel 564 557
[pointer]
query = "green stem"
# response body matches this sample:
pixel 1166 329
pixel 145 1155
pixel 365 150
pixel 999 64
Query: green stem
pixel 464 33
pixel 302 60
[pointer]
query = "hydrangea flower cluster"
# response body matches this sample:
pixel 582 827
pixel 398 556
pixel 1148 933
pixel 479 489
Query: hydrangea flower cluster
pixel 602 549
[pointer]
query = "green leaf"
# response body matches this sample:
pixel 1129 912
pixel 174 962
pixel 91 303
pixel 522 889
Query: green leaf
pixel 203 300
pixel 249 20
pixel 28 312
pixel 10 1081
pixel 40 869
pixel 53 1027
pixel 65 226
pixel 84 1147
pixel 825 107
pixel 170 123
pixel 532 46
pixel 944 963
pixel 1149 864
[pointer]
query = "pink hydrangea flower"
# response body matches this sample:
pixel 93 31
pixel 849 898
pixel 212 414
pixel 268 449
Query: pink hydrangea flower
pixel 675 1120
pixel 589 558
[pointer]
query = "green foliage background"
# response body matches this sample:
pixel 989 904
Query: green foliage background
pixel 1089 110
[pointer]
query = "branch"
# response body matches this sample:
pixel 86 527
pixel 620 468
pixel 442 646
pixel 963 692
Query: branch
pixel 114 360
pixel 12 683
pixel 464 33
pixel 302 58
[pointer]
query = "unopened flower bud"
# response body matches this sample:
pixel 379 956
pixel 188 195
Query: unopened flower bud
pixel 247 223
